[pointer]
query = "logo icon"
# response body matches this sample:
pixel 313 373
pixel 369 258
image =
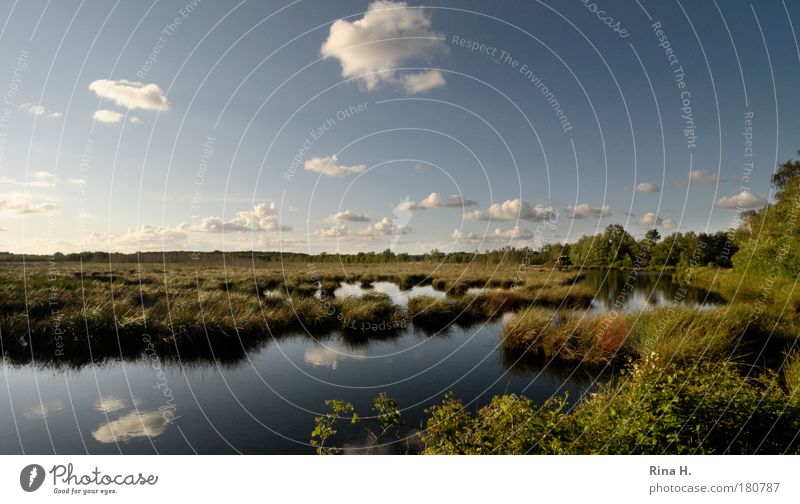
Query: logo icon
pixel 31 477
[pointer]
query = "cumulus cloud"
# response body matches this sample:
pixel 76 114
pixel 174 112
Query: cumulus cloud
pixel 327 166
pixel 107 116
pixel 77 181
pixel 651 219
pixel 385 227
pixel 513 210
pixel 743 200
pixel 335 231
pixel 131 95
pixel 148 235
pixel 499 234
pixel 645 187
pixel 515 233
pixel 698 177
pixel 465 236
pixel 345 216
pixel 390 35
pixel 435 200
pixel 584 210
pixel 703 177
pixel 22 204
pixel 416 83
pixel 263 217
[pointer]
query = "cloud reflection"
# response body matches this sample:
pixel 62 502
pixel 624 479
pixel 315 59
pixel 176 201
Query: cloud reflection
pixel 109 404
pixel 133 425
pixel 329 356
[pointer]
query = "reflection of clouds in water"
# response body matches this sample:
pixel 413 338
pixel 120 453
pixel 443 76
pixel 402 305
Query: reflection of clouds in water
pixel 329 356
pixel 109 404
pixel 133 425
pixel 41 410
pixel 399 297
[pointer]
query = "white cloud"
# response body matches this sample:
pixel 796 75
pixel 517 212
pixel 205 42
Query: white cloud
pixel 390 35
pixel 703 177
pixel 422 82
pixel 435 200
pixel 583 211
pixel 148 235
pixel 327 166
pixel 499 234
pixel 515 233
pixel 345 216
pixel 38 179
pixel 263 217
pixel 743 200
pixel 512 210
pixel 107 116
pixel 465 236
pixel 77 182
pixel 22 204
pixel 135 120
pixel 650 219
pixel 131 95
pixel 645 187
pixel 385 227
pixel 668 224
pixel 38 110
pixel 335 231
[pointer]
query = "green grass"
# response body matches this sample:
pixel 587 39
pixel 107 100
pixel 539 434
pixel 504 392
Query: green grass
pixel 674 333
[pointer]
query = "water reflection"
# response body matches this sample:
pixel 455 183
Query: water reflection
pixel 648 290
pixel 329 355
pixel 131 426
pixel 44 409
pixel 391 289
pixel 109 404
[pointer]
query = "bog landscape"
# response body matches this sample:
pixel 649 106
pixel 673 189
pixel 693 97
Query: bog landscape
pixel 383 227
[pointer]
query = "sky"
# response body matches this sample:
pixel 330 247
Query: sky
pixel 348 126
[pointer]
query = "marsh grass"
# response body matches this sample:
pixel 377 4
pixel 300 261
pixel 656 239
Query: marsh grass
pixel 372 312
pixel 676 334
pixel 791 376
pixel 434 313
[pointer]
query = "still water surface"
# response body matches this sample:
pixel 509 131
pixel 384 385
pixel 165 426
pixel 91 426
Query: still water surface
pixel 266 402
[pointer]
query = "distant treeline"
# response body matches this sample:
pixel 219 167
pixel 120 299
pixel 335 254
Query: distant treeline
pixel 767 242
pixel 615 248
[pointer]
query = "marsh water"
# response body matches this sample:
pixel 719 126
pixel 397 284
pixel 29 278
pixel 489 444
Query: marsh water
pixel 266 400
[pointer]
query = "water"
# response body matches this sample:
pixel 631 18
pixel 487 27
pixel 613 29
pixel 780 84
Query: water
pixel 650 290
pixel 398 296
pixel 266 401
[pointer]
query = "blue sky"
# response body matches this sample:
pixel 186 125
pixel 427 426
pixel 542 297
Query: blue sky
pixel 356 125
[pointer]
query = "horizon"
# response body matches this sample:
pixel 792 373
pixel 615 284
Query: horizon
pixel 270 127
